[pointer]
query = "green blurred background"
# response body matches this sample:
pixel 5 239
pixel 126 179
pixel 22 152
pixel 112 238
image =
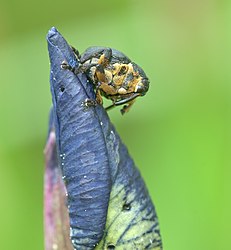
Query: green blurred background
pixel 178 134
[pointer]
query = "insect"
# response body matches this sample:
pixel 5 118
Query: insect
pixel 113 74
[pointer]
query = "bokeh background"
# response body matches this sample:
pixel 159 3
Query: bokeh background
pixel 179 133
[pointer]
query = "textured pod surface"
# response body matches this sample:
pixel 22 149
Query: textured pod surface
pixel 81 148
pixel 109 206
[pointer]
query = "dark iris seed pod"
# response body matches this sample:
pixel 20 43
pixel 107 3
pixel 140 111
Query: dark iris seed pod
pixel 98 172
pixel 81 147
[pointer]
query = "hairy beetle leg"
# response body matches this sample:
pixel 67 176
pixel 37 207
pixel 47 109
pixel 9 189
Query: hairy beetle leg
pixel 76 52
pixel 127 107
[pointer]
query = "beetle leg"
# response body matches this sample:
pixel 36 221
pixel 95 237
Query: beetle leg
pixel 110 107
pixel 98 95
pixel 130 99
pixel 65 65
pixel 127 107
pixel 76 70
pixel 99 98
pixel 100 73
pixel 76 52
pixel 105 58
pixel 82 68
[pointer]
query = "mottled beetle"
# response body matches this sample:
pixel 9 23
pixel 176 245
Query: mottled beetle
pixel 113 74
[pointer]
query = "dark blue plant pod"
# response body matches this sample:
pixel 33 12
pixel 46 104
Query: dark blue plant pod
pixel 109 206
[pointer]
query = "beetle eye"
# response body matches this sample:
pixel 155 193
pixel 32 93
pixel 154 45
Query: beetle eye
pixel 143 86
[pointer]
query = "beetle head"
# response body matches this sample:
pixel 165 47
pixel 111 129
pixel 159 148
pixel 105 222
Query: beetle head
pixel 143 86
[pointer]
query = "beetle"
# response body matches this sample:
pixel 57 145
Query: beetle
pixel 113 74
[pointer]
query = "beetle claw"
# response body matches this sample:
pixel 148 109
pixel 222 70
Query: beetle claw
pixel 87 103
pixel 66 66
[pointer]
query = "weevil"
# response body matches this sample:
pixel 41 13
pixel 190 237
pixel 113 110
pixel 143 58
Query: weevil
pixel 113 74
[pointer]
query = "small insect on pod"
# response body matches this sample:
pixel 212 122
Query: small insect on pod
pixel 114 76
